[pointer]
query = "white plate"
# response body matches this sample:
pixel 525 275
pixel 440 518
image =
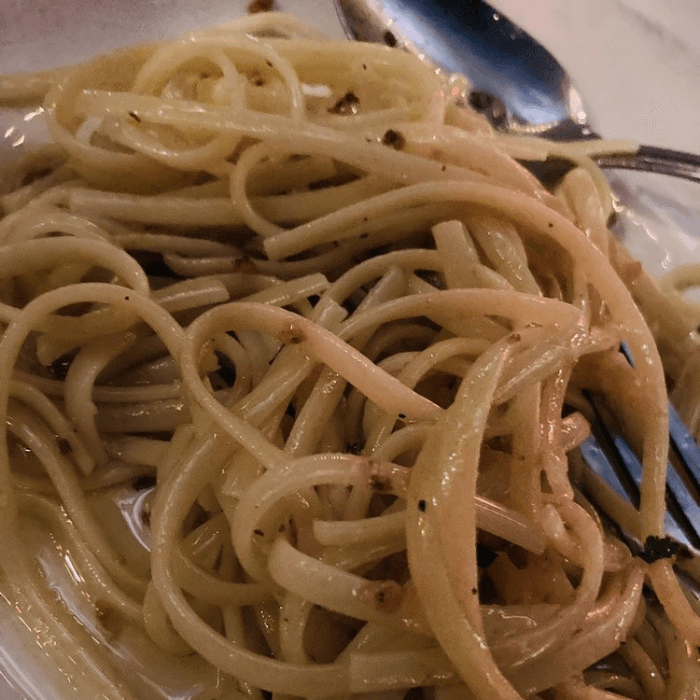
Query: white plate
pixel 636 63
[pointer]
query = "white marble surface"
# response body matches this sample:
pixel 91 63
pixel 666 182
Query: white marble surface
pixel 636 62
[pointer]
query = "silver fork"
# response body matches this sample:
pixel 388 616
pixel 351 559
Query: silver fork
pixel 612 460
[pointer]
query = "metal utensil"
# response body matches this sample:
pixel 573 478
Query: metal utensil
pixel 609 456
pixel 516 82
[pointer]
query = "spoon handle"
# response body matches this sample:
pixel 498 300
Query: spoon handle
pixel 655 160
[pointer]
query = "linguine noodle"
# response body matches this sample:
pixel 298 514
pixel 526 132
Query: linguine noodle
pixel 298 358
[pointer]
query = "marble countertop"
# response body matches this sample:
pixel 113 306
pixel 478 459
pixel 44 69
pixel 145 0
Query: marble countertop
pixel 635 62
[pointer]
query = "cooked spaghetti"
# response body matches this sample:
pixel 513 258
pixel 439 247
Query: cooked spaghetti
pixel 298 357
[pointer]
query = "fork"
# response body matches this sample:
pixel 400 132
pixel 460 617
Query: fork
pixel 613 465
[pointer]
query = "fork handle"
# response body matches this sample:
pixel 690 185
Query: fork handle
pixel 655 160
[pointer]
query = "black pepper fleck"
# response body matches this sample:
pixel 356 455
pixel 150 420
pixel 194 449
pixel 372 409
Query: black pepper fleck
pixel 347 104
pixel 489 105
pixel 422 505
pixel 394 139
pixel 656 548
pixel 389 39
pixel 260 6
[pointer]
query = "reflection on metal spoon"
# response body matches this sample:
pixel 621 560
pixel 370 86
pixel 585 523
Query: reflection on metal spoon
pixel 515 81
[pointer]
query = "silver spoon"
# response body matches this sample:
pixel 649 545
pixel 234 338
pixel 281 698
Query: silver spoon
pixel 516 83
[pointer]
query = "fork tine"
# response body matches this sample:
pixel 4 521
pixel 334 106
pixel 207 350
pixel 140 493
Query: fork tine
pixel 609 456
pixel 685 444
pixel 683 472
pixel 597 460
pixel 684 482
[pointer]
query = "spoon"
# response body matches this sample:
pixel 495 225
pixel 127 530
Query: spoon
pixel 515 82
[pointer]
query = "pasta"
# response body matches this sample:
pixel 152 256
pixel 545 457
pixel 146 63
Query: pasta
pixel 298 359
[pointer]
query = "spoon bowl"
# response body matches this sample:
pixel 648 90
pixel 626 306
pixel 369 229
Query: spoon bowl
pixel 509 73
pixel 514 81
